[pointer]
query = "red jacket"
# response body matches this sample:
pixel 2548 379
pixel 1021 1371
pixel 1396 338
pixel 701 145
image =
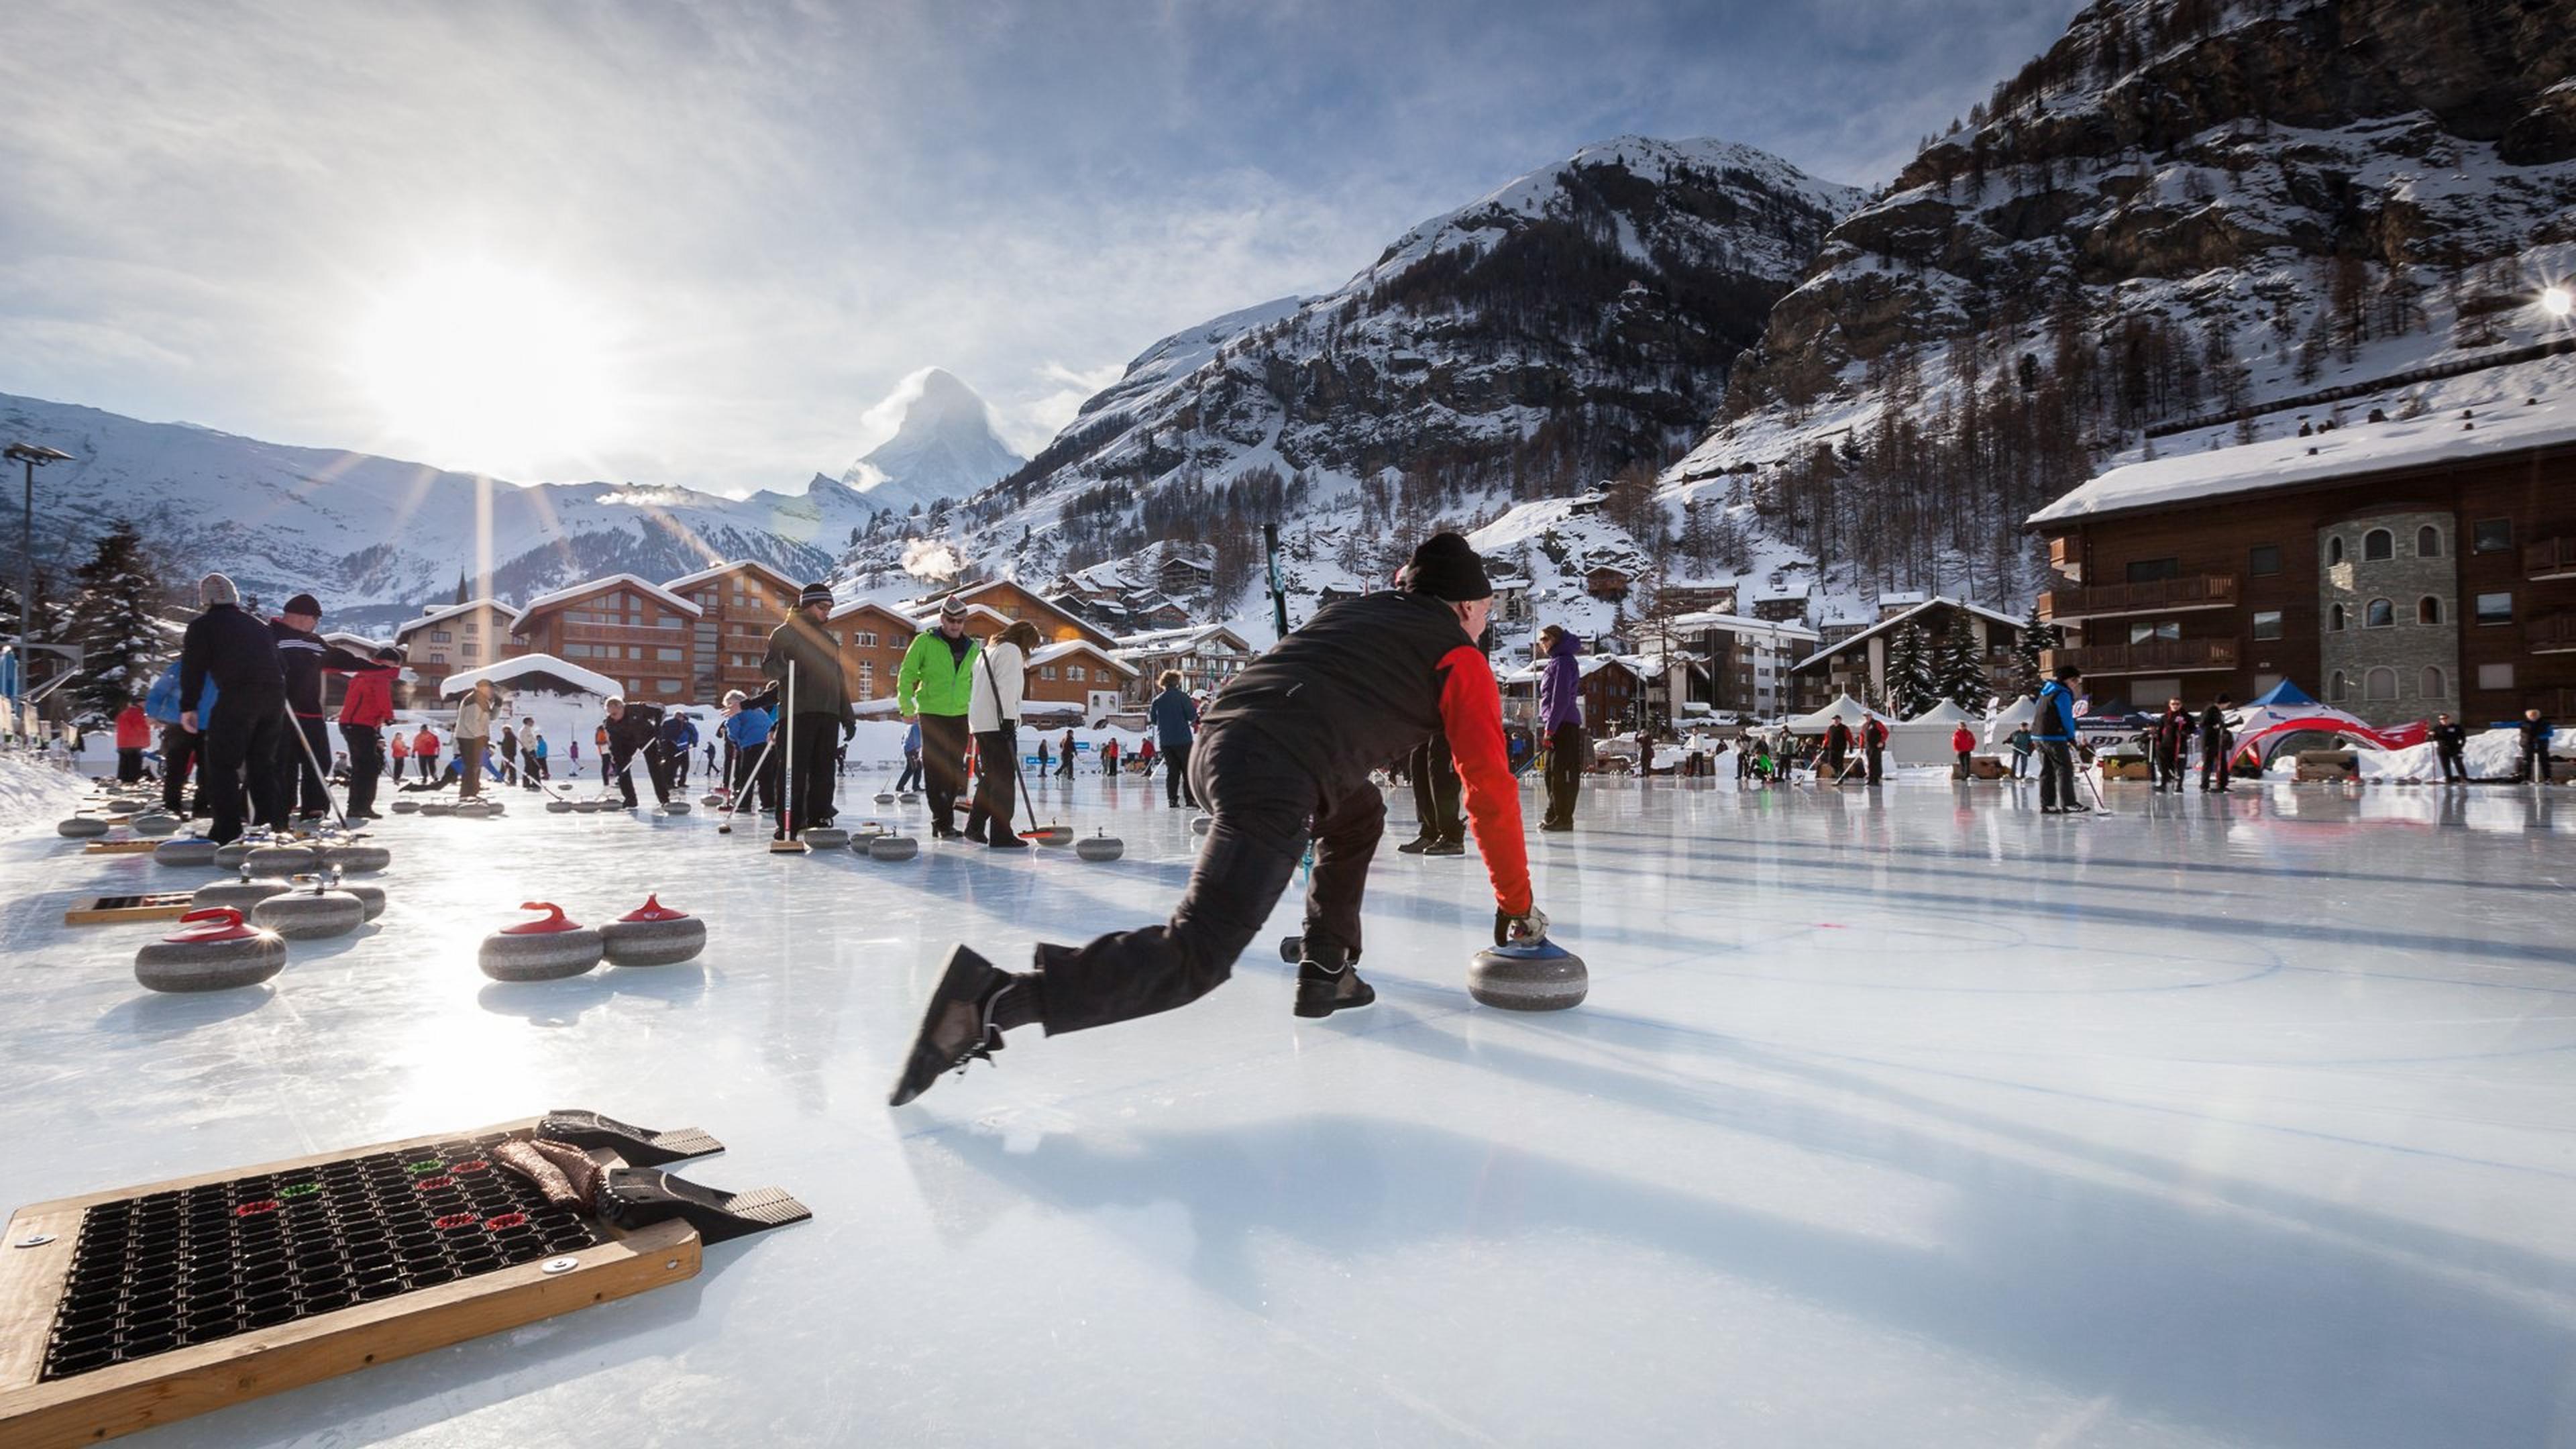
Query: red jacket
pixel 133 728
pixel 370 701
pixel 1962 740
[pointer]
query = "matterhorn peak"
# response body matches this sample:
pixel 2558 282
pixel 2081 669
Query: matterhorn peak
pixel 944 445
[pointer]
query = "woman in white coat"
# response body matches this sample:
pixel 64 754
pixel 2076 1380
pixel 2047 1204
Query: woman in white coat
pixel 993 714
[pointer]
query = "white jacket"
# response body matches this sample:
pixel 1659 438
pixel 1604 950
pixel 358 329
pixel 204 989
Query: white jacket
pixel 993 700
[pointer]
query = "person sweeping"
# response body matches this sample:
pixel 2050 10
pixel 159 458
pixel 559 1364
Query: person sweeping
pixel 1283 758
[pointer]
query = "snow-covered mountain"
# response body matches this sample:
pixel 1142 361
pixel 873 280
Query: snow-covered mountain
pixel 2183 227
pixel 1574 323
pixel 945 448
pixel 374 537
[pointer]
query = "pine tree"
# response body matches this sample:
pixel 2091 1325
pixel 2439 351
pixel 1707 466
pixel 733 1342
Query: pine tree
pixel 1959 670
pixel 2037 635
pixel 113 622
pixel 1911 686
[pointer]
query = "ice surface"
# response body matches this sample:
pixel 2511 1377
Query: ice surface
pixel 1903 1117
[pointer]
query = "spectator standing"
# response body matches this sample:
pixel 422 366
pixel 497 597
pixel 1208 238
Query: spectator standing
pixel 2056 740
pixel 2536 731
pixel 1963 743
pixel 133 737
pixel 2451 743
pixel 1175 717
pixel 364 714
pixel 1560 715
pixel 2216 740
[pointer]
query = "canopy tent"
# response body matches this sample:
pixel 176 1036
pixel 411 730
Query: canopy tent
pixel 1925 739
pixel 1845 708
pixel 2283 695
pixel 2013 716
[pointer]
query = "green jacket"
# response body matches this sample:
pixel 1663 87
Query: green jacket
pixel 933 679
pixel 819 687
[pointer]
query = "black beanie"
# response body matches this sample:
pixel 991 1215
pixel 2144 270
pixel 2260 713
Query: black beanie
pixel 815 594
pixel 1446 568
pixel 303 604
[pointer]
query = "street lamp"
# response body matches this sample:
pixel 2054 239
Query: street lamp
pixel 33 456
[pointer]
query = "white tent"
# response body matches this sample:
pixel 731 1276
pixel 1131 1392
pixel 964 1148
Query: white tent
pixel 1845 708
pixel 567 701
pixel 1925 739
pixel 2020 712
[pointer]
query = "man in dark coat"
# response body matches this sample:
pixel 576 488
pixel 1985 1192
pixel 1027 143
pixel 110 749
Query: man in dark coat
pixel 1176 721
pixel 304 657
pixel 2536 731
pixel 2168 741
pixel 2216 740
pixel 2450 745
pixel 821 716
pixel 635 729
pixel 238 653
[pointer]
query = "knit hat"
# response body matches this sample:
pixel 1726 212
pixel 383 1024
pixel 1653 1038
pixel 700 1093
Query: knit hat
pixel 303 604
pixel 215 589
pixel 1445 567
pixel 815 594
pixel 952 609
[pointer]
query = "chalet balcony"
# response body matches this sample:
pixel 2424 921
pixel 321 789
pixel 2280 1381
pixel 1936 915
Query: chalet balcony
pixel 2550 558
pixel 2555 634
pixel 2155 656
pixel 2160 596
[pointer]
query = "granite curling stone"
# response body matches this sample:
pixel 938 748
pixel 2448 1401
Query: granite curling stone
pixel 1100 847
pixel 541 950
pixel 81 827
pixel 653 935
pixel 826 837
pixel 1543 976
pixel 310 914
pixel 893 847
pixel 154 826
pixel 185 850
pixel 218 951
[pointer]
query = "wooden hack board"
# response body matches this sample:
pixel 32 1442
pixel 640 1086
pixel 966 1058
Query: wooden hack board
pixel 167 1387
pixel 119 847
pixel 156 906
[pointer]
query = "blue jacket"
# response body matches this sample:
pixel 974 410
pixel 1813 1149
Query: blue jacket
pixel 2056 713
pixel 748 728
pixel 1174 715
pixel 162 703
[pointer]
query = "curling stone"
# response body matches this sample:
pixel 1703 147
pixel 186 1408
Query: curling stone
pixel 230 857
pixel 653 935
pixel 216 952
pixel 893 847
pixel 1049 835
pixel 185 850
pixel 281 860
pixel 310 914
pixel 540 950
pixel 1199 825
pixel 496 807
pixel 826 837
pixel 676 807
pixel 471 810
pixel 240 894
pixel 595 807
pixel 712 800
pixel 559 807
pixel 909 798
pixel 154 826
pixel 406 807
pixel 357 857
pixel 82 827
pixel 1540 977
pixel 371 898
pixel 886 798
pixel 438 807
pixel 1100 847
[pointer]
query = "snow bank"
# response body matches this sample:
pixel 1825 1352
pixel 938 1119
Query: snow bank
pixel 2491 755
pixel 35 794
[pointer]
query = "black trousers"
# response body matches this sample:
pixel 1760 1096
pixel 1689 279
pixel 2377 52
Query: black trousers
pixel 762 781
pixel 2213 765
pixel 1263 814
pixel 1176 776
pixel 241 749
pixel 2057 774
pixel 809 772
pixel 656 768
pixel 997 772
pixel 943 762
pixel 366 766
pixel 181 751
pixel 1435 789
pixel 129 765
pixel 2453 766
pixel 2535 765
pixel 2168 765
pixel 1565 772
pixel 295 773
pixel 1877 764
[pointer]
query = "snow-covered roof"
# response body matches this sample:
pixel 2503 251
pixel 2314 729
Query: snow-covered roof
pixel 1845 708
pixel 527 664
pixel 2355 450
pixel 1883 625
pixel 358 643
pixel 691 581
pixel 928 617
pixel 1178 641
pixel 1054 652
pixel 592 586
pixel 1945 714
pixel 436 616
pixel 1742 624
pixel 862 606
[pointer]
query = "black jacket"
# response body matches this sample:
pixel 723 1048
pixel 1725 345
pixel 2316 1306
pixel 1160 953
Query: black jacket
pixel 2535 733
pixel 2213 728
pixel 303 656
pixel 639 726
pixel 2450 739
pixel 236 651
pixel 1359 684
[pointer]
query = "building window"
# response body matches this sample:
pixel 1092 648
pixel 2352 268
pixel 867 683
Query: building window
pixel 1074 671
pixel 2378 544
pixel 666 686
pixel 2150 570
pixel 436 636
pixel 2428 542
pixel 2338 688
pixel 2434 684
pixel 864 639
pixel 2267 623
pixel 2150 633
pixel 667 656
pixel 2334 551
pixel 2491 535
pixel 576 651
pixel 2495 608
pixel 437 656
pixel 1046 671
pixel 2378 614
pixel 2495 676
pixel 2428 610
pixel 2379 684
pixel 2334 619
pixel 2263 560
pixel 867 679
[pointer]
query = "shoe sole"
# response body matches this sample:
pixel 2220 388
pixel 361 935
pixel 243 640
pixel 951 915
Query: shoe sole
pixel 963 966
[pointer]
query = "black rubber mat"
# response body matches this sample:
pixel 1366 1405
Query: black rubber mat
pixel 635 1197
pixel 172 1269
pixel 641 1146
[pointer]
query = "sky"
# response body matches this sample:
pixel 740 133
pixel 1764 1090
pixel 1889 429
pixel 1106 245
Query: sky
pixel 701 243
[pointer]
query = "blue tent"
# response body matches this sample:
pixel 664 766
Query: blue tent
pixel 2283 695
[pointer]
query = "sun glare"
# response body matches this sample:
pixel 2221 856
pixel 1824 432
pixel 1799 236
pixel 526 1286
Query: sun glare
pixel 487 368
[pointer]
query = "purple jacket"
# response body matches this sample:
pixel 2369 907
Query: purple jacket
pixel 1560 689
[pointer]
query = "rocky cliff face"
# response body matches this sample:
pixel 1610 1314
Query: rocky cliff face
pixel 1574 323
pixel 2185 209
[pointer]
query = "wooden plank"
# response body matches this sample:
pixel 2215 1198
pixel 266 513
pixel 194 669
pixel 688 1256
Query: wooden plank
pixel 167 1387
pixel 119 847
pixel 158 906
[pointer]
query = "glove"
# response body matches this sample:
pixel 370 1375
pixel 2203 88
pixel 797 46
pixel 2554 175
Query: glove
pixel 849 730
pixel 1511 930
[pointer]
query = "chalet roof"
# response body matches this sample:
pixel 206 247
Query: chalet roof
pixel 563 596
pixel 440 616
pixel 527 664
pixel 1883 625
pixel 704 575
pixel 1178 641
pixel 1054 652
pixel 1742 624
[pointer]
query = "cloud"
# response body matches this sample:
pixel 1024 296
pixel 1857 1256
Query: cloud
pixel 1040 419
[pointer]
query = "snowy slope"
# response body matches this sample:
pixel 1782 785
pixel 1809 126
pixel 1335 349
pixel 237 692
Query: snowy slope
pixel 945 447
pixel 376 537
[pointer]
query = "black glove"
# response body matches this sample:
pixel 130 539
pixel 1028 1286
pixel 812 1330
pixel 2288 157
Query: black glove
pixel 849 729
pixel 1528 930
